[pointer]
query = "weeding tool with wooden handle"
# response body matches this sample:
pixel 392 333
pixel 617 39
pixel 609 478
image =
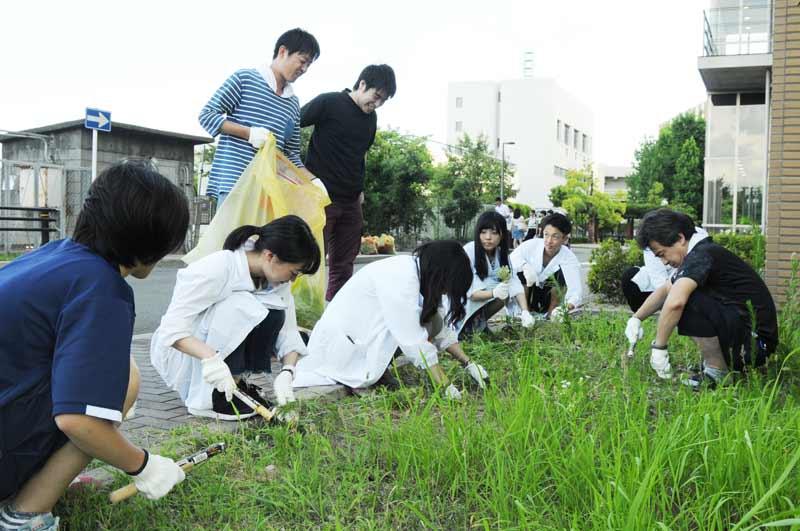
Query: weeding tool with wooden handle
pixel 187 464
pixel 267 414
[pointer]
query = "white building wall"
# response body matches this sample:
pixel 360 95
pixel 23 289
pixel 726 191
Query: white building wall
pixel 527 114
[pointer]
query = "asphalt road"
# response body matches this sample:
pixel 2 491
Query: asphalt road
pixel 154 293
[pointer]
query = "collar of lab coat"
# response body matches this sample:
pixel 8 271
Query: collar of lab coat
pixel 698 236
pixel 553 265
pixel 269 76
pixel 271 297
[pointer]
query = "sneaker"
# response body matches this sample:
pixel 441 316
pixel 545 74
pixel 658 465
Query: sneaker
pixel 221 409
pixel 40 522
pixel 707 378
pixel 388 380
pixel 255 392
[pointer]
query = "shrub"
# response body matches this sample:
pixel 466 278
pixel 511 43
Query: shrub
pixel 609 261
pixel 749 247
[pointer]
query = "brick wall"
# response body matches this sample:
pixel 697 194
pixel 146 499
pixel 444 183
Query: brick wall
pixel 783 200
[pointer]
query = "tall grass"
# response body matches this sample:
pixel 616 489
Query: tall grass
pixel 568 435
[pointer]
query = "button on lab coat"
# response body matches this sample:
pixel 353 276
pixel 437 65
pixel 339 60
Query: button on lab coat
pixel 374 313
pixel 532 253
pixel 215 301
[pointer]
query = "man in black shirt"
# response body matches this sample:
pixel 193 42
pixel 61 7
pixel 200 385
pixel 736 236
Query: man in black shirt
pixel 710 298
pixel 344 129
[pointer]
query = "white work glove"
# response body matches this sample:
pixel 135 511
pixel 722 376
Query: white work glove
pixel 283 386
pixel 527 319
pixel 319 184
pixel 258 135
pixel 557 314
pixel 478 373
pixel 452 392
pixel 500 291
pixel 158 477
pixel 530 275
pixel 634 331
pixel 659 361
pixel 217 374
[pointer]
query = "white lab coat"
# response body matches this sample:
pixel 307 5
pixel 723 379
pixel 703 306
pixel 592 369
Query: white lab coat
pixel 215 300
pixel 654 273
pixel 489 283
pixel 532 252
pixel 374 313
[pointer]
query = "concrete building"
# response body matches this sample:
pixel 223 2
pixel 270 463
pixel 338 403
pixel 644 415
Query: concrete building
pixel 611 179
pixel 551 131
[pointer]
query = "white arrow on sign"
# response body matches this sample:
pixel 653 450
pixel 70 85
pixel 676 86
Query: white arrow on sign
pixel 100 119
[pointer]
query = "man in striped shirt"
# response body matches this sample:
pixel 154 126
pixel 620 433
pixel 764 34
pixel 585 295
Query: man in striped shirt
pixel 254 102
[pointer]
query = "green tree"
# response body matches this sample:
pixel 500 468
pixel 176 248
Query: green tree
pixel 397 169
pixel 676 161
pixel 587 206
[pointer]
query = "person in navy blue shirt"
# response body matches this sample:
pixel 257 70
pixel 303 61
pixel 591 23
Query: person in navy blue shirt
pixel 66 322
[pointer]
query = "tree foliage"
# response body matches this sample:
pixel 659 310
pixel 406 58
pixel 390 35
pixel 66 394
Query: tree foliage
pixel 675 160
pixel 586 205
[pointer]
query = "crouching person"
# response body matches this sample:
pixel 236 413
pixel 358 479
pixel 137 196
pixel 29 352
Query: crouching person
pixel 67 378
pixel 393 303
pixel 706 299
pixel 539 260
pixel 230 312
pixel 489 293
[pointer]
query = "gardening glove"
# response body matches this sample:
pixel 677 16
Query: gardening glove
pixel 478 373
pixel 557 315
pixel 158 477
pixel 283 386
pixel 452 392
pixel 634 331
pixel 530 275
pixel 659 361
pixel 319 184
pixel 217 374
pixel 500 291
pixel 527 319
pixel 258 135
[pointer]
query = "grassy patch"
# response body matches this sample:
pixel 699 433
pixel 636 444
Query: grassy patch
pixel 569 435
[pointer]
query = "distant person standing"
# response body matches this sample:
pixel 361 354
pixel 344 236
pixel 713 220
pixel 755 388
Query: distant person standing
pixel 504 210
pixel 254 102
pixel 520 227
pixel 345 124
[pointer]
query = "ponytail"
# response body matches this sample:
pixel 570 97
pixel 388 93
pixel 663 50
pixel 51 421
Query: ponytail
pixel 288 237
pixel 237 238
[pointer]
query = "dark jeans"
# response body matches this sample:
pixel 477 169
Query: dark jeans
pixel 343 224
pixel 633 294
pixel 254 353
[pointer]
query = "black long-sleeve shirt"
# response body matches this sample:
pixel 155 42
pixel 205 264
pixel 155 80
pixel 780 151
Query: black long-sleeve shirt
pixel 343 134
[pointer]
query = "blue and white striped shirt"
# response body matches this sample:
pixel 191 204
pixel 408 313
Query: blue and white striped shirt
pixel 247 99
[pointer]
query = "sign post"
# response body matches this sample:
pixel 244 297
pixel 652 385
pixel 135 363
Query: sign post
pixel 96 120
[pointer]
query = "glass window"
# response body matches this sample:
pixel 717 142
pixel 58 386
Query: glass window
pixel 749 191
pixel 722 125
pixel 459 102
pixel 576 139
pixel 567 130
pixel 718 203
pixel 752 122
pixel 558 130
pixel 585 143
pixel 459 126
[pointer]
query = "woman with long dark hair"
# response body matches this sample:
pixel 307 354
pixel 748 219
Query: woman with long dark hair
pixel 397 302
pixel 230 312
pixel 488 254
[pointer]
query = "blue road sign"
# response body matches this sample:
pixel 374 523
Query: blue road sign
pixel 97 119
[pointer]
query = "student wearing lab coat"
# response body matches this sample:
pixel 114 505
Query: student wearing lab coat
pixel 230 312
pixel 540 259
pixel 390 304
pixel 488 253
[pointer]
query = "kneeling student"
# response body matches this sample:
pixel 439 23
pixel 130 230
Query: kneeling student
pixel 706 298
pixel 488 253
pixel 394 303
pixel 67 378
pixel 540 259
pixel 230 312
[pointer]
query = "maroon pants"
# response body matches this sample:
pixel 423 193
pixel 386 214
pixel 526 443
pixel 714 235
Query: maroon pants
pixel 343 225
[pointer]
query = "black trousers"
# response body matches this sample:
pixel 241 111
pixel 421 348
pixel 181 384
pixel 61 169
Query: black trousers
pixel 539 298
pixel 255 352
pixel 633 294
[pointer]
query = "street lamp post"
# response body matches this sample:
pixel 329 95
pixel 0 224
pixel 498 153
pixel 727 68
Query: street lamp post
pixel 503 166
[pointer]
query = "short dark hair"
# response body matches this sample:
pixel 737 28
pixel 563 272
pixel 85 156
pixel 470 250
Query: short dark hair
pixel 665 227
pixel 288 237
pixel 298 41
pixel 444 269
pixel 132 215
pixel 379 77
pixel 557 220
pixel 496 199
pixel 490 220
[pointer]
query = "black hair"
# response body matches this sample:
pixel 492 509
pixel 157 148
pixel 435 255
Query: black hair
pixel 379 77
pixel 517 212
pixel 496 199
pixel 490 220
pixel 298 41
pixel 132 215
pixel 665 227
pixel 444 269
pixel 288 237
pixel 558 221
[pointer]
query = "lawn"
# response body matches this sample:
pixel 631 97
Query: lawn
pixel 569 435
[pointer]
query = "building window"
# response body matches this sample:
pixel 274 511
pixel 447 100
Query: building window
pixel 459 102
pixel 567 131
pixel 576 139
pixel 459 126
pixel 558 171
pixel 585 148
pixel 558 130
pixel 499 99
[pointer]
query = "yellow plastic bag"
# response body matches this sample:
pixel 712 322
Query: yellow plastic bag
pixel 271 187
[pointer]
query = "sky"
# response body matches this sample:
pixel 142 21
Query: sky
pixel 156 63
